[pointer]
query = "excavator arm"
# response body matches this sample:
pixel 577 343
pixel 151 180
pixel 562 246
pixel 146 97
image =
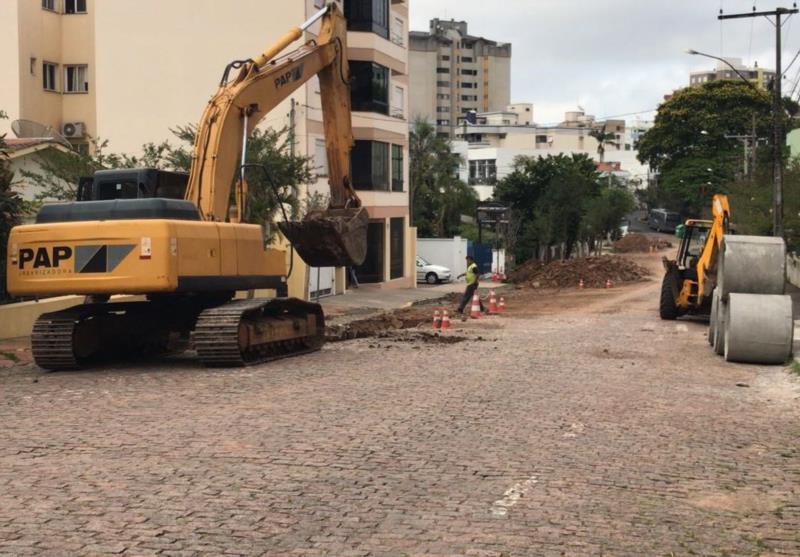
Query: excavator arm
pixel 334 237
pixel 709 259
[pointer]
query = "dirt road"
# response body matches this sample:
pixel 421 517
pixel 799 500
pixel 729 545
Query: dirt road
pixel 576 424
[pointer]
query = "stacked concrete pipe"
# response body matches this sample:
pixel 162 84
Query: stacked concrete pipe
pixel 751 317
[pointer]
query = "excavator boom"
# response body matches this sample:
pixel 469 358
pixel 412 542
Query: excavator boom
pixel 335 237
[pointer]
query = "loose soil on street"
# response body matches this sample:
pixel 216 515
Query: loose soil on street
pixel 577 423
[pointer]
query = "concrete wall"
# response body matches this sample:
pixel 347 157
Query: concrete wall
pixel 448 252
pixel 9 61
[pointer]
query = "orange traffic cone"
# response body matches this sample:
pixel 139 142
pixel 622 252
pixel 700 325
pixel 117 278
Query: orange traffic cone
pixel 492 302
pixel 437 319
pixel 502 306
pixel 580 284
pixel 609 284
pixel 445 321
pixel 475 309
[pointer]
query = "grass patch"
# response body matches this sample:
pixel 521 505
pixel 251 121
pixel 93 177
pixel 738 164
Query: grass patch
pixel 795 367
pixel 14 358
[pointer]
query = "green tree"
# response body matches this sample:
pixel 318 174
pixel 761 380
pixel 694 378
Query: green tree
pixel 688 139
pixel 547 197
pixel 437 197
pixel 282 175
pixel 603 137
pixel 605 212
pixel 11 208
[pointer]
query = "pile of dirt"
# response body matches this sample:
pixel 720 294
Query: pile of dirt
pixel 639 243
pixel 594 271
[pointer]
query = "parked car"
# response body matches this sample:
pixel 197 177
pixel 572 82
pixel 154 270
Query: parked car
pixel 432 274
pixel 662 220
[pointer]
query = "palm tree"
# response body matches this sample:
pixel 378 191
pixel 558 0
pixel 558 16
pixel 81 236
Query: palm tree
pixel 603 137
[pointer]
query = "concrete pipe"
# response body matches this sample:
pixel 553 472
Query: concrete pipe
pixel 751 265
pixel 719 325
pixel 759 328
pixel 712 322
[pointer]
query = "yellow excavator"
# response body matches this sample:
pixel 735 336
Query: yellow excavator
pixel 183 248
pixel 690 279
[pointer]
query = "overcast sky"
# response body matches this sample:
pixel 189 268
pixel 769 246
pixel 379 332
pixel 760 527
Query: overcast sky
pixel 613 57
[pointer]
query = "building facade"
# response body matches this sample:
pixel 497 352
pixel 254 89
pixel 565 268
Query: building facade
pixel 759 77
pixel 85 67
pixel 453 73
pixel 489 147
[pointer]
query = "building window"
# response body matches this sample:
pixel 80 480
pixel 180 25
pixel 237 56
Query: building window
pixel 320 157
pixel 398 102
pixel 49 5
pixel 467 59
pixel 372 268
pixel 469 97
pixel 469 72
pixel 74 6
pixel 445 58
pixel 443 84
pixel 369 87
pixel 541 139
pixel 398 31
pixel 483 171
pixel 468 85
pixel 368 15
pixel 49 76
pixel 443 96
pixel 396 247
pixel 369 164
pixel 75 79
pixel 444 109
pixel 442 122
pixel 442 70
pixel 397 168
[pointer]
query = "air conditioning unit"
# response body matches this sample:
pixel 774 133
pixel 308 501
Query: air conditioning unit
pixel 74 129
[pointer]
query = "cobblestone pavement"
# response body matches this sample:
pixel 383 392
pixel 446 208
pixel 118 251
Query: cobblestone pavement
pixel 598 430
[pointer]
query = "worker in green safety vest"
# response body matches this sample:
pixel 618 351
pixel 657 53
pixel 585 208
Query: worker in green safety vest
pixel 471 277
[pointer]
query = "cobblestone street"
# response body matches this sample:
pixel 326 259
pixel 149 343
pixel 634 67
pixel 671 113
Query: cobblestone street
pixel 596 430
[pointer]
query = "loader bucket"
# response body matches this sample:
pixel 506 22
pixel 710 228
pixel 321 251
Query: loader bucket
pixel 330 238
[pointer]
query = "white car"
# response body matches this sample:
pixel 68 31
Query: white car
pixel 432 274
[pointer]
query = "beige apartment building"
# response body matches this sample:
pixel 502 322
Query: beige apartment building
pixel 454 73
pixel 127 72
pixel 760 77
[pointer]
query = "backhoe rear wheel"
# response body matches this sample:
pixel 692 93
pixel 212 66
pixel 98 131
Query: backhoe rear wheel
pixel 667 307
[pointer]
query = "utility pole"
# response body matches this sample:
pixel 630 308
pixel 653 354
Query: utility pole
pixel 292 116
pixel 777 112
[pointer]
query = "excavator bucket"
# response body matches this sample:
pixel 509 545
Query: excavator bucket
pixel 330 238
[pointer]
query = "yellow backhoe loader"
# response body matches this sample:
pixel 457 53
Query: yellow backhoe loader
pixel 190 256
pixel 739 281
pixel 690 279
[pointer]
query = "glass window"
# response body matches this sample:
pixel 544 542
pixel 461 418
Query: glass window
pixel 396 247
pixel 372 268
pixel 118 189
pixel 442 70
pixel 75 79
pixel 397 168
pixel 49 76
pixel 443 84
pixel 369 89
pixel 49 5
pixel 74 6
pixel 320 157
pixel 368 15
pixel 171 185
pixel 369 163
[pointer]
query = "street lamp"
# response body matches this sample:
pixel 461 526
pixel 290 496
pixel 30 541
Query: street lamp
pixel 777 138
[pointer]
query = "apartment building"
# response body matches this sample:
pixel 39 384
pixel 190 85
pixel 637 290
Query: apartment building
pixel 490 145
pixel 454 73
pixel 127 72
pixel 759 77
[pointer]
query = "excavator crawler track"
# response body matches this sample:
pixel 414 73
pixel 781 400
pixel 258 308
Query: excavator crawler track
pixel 52 340
pixel 247 332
